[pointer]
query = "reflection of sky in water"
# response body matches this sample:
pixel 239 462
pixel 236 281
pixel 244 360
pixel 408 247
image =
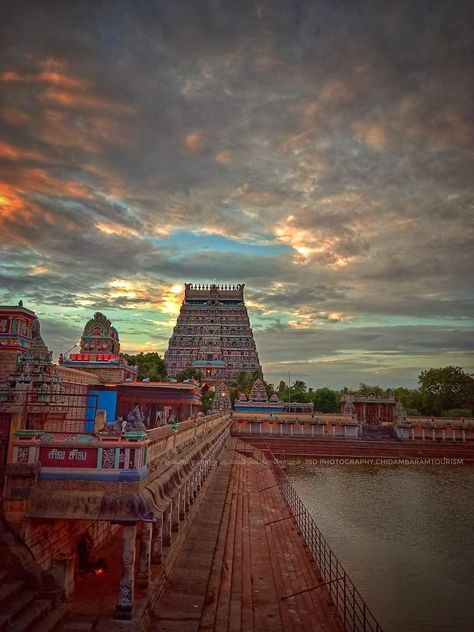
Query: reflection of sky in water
pixel 404 534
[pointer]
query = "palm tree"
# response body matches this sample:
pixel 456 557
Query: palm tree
pixel 243 384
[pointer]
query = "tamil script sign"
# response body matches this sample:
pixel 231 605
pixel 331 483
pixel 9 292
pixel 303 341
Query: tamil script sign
pixel 68 457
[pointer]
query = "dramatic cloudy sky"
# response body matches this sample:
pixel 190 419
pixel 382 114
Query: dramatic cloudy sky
pixel 319 151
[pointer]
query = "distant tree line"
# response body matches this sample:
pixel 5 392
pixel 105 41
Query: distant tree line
pixel 447 391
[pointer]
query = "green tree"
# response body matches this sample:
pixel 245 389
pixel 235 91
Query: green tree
pixel 269 388
pixel 189 374
pixel 150 365
pixel 447 388
pixel 366 389
pixel 298 391
pixel 325 400
pixel 244 383
pixel 411 398
pixel 207 399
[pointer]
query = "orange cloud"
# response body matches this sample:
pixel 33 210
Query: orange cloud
pixel 76 99
pixel 223 157
pixel 11 76
pixel 194 141
pixel 10 201
pixel 64 89
pixel 50 75
pixel 372 134
pixel 310 246
pixel 16 117
pixel 56 129
pixel 116 229
pixel 39 181
pixel 16 153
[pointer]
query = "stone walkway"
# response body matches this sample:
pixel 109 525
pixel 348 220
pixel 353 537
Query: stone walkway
pixel 242 561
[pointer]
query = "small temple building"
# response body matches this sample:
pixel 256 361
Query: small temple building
pixel 16 334
pixel 213 334
pixel 100 353
pixel 370 409
pixel 258 401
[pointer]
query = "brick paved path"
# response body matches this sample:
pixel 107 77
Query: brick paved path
pixel 239 568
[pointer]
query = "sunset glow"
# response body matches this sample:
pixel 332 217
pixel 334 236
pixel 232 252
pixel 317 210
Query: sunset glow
pixel 318 154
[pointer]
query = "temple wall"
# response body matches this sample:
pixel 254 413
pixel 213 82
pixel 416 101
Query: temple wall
pixel 54 545
pixel 295 429
pixel 8 361
pixel 77 376
pixel 424 432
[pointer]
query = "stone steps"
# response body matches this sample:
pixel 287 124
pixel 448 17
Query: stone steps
pixel 9 590
pixel 10 610
pixel 23 608
pixel 52 621
pixel 30 616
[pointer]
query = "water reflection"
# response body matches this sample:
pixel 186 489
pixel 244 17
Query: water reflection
pixel 404 534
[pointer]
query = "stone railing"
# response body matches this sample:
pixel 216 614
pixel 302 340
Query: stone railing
pixel 440 422
pixel 435 429
pixel 128 456
pixel 339 426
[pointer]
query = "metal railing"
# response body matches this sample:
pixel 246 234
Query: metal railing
pixel 349 602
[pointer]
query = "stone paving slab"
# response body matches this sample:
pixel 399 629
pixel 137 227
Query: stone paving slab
pixel 238 572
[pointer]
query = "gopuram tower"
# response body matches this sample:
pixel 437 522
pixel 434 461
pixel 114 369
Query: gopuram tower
pixel 213 334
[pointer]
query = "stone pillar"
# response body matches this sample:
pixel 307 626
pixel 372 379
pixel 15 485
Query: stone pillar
pixel 175 513
pixel 127 580
pixel 157 541
pixel 144 560
pixel 182 503
pixel 187 495
pixel 166 530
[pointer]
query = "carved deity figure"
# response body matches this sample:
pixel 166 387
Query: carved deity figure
pixel 135 419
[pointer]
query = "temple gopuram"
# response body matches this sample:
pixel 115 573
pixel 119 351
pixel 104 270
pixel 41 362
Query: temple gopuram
pixel 100 353
pixel 213 334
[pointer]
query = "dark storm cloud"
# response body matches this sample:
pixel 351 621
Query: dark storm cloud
pixel 342 130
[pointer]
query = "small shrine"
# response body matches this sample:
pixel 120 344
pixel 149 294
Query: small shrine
pixel 100 352
pixel 258 401
pixel 221 399
pixel 370 409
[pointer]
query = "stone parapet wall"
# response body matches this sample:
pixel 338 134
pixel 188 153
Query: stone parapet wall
pixel 297 426
pixel 77 376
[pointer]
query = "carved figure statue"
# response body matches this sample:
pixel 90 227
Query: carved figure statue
pixel 135 419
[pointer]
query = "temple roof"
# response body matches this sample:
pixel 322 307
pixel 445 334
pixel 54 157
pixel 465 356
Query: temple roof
pixel 100 336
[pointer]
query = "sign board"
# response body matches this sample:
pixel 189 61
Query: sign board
pixel 68 457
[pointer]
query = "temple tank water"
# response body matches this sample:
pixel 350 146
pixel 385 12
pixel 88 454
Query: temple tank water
pixel 404 534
